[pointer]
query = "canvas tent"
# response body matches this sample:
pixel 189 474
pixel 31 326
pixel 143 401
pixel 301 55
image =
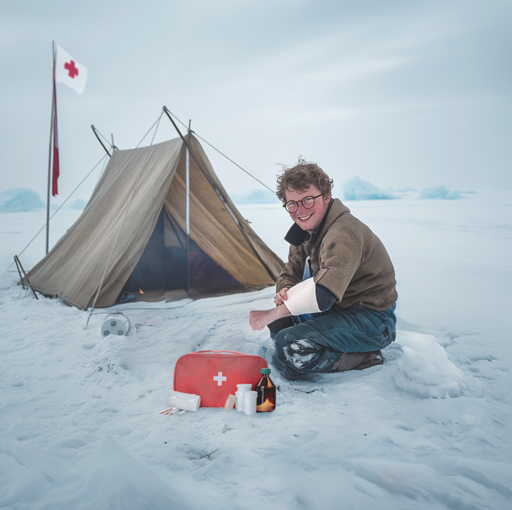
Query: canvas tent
pixel 131 235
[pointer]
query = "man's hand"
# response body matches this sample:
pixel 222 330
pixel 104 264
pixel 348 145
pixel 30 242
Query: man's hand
pixel 281 296
pixel 260 318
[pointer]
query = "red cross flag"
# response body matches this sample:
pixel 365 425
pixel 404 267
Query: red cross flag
pixel 69 71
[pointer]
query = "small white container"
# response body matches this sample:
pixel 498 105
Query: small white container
pixel 250 402
pixel 239 400
pixel 116 324
pixel 186 401
pixel 242 388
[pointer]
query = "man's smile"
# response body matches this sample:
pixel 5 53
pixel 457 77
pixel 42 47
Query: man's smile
pixel 308 218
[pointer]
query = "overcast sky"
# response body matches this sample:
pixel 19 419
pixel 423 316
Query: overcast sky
pixel 400 93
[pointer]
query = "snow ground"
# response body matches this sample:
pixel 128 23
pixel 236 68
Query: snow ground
pixel 431 428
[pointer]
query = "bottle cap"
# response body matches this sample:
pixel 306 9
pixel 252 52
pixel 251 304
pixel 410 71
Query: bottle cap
pixel 265 371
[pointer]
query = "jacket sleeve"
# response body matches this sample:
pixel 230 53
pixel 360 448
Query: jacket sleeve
pixel 340 257
pixel 293 270
pixel 324 297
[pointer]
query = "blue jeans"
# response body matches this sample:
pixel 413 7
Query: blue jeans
pixel 317 344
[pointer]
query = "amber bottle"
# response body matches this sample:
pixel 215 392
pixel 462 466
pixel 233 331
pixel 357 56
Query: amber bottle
pixel 266 389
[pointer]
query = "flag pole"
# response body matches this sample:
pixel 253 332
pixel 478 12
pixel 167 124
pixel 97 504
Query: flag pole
pixel 50 155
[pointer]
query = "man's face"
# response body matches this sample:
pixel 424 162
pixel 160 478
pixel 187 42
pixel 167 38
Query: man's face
pixel 308 219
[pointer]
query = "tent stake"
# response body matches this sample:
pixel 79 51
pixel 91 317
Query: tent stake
pixel 20 269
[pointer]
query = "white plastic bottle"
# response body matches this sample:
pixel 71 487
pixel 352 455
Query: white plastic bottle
pixel 241 389
pixel 250 402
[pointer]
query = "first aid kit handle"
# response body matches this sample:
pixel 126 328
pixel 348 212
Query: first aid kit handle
pixel 230 352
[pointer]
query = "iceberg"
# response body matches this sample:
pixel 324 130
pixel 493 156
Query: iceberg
pixel 254 196
pixel 20 200
pixel 357 189
pixel 441 192
pixel 78 204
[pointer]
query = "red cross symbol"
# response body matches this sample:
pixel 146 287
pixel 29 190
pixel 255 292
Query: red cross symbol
pixel 70 66
pixel 219 378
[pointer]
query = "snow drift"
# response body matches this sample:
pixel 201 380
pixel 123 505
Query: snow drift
pixel 425 370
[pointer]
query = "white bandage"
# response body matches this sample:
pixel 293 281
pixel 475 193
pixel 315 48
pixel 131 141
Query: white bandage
pixel 187 401
pixel 302 298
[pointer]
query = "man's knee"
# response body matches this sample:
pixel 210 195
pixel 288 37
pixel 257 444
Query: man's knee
pixel 292 352
pixel 281 340
pixel 302 355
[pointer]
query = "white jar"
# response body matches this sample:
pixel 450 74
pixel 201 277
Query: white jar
pixel 242 388
pixel 250 402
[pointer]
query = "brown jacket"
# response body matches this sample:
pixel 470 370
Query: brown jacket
pixel 346 257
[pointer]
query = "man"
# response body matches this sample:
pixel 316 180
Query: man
pixel 336 294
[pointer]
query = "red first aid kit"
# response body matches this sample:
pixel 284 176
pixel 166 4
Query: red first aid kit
pixel 213 375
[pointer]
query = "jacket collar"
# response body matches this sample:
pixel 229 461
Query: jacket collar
pixel 296 236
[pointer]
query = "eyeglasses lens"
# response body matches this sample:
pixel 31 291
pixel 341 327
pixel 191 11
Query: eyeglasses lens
pixel 307 203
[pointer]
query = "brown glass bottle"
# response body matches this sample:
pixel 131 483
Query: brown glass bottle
pixel 266 400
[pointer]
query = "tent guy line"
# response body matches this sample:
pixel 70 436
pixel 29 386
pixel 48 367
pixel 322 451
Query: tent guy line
pixel 221 153
pixel 103 159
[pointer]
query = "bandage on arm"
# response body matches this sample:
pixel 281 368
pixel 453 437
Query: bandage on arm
pixel 308 297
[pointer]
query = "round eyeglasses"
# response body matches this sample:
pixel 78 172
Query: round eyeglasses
pixel 307 202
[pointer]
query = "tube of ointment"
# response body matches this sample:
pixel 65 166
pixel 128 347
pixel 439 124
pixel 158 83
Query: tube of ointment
pixel 172 410
pixel 187 401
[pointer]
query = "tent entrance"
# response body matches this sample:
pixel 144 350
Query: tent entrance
pixel 161 272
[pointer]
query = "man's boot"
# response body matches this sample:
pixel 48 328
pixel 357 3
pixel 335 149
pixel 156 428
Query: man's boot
pixel 358 361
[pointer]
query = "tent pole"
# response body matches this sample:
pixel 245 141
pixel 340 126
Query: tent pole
pixel 94 131
pixel 187 168
pixel 219 194
pixel 122 224
pixel 50 156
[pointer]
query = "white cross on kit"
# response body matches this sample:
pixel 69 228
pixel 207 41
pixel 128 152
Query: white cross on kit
pixel 219 378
